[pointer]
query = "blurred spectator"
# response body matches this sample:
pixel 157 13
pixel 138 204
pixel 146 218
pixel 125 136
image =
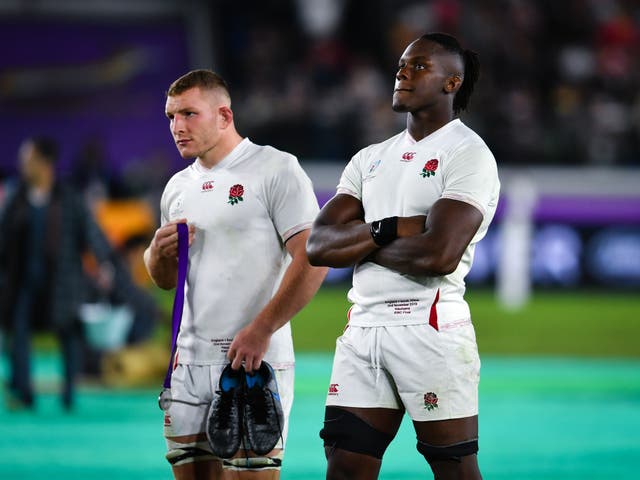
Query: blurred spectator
pixel 127 295
pixel 90 174
pixel 128 288
pixel 46 229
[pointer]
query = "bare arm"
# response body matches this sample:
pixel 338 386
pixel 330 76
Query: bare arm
pixel 449 229
pixel 161 257
pixel 299 284
pixel 341 238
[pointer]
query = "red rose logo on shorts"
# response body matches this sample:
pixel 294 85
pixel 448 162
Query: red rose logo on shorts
pixel 430 401
pixel 429 168
pixel 235 194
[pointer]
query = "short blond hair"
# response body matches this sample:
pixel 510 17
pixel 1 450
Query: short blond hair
pixel 204 79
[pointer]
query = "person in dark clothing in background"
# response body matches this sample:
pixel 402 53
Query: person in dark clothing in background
pixel 46 228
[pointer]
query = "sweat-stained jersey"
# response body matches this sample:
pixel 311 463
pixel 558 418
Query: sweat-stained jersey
pixel 403 177
pixel 244 209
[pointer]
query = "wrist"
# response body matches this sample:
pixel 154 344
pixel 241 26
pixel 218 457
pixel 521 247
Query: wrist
pixel 384 231
pixel 263 326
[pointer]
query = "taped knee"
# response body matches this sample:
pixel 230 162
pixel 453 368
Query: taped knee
pixel 346 431
pixel 453 452
pixel 180 456
pixel 253 463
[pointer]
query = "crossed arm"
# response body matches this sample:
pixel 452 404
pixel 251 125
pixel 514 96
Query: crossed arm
pixel 430 244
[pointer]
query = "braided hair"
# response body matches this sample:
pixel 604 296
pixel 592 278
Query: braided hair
pixel 471 67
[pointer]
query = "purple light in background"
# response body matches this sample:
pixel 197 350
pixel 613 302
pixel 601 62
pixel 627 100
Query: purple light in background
pixel 565 209
pixel 123 110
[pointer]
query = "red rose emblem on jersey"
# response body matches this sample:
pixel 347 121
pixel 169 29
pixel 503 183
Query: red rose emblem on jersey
pixel 235 194
pixel 430 401
pixel 430 168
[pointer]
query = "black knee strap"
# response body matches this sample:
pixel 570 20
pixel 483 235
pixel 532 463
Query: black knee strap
pixel 448 452
pixel 346 431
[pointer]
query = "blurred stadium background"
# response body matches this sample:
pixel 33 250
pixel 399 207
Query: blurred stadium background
pixel 554 289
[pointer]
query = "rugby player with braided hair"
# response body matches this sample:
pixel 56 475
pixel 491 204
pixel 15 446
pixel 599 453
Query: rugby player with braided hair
pixel 407 215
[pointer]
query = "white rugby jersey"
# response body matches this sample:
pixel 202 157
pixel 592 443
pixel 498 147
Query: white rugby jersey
pixel 244 209
pixel 403 177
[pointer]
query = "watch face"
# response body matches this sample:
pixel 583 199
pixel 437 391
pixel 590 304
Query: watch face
pixel 164 399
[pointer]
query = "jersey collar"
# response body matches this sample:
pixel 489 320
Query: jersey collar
pixel 442 130
pixel 226 161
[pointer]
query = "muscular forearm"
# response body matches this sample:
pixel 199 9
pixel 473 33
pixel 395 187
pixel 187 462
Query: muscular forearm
pixel 417 255
pixel 340 245
pixel 163 271
pixel 436 251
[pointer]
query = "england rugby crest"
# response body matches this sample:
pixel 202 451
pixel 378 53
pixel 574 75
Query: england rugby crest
pixel 236 194
pixel 429 168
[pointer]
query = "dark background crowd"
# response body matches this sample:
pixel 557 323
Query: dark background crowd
pixel 558 84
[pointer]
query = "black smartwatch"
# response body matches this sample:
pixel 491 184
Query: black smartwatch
pixel 384 231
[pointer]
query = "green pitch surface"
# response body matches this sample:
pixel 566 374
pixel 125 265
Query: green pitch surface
pixel 577 323
pixel 541 418
pixel 581 323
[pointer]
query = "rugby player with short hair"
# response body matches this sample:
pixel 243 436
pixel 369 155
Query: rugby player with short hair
pixel 249 209
pixel 407 214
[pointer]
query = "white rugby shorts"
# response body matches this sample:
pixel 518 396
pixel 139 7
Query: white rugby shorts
pixel 192 389
pixel 432 374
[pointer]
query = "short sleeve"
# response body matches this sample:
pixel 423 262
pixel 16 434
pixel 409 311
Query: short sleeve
pixel 164 209
pixel 351 178
pixel 472 177
pixel 171 200
pixel 293 205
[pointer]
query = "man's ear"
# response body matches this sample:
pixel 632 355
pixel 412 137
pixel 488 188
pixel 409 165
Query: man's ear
pixel 452 83
pixel 226 114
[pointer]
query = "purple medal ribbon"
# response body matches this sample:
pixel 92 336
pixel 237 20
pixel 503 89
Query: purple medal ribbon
pixel 178 301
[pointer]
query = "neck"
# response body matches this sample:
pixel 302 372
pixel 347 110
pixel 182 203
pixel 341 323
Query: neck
pixel 223 148
pixel 421 124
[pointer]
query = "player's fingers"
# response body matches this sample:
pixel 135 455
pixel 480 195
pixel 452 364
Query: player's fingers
pixel 235 363
pixel 249 364
pixel 256 363
pixel 167 248
pixel 169 230
pixel 235 359
pixel 162 237
pixel 168 242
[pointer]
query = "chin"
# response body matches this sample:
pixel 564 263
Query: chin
pixel 186 154
pixel 399 107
